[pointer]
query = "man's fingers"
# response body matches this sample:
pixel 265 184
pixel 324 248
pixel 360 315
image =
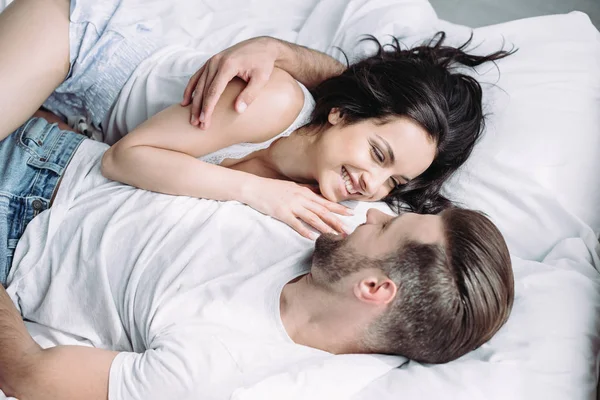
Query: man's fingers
pixel 198 97
pixel 189 89
pixel 212 94
pixel 218 78
pixel 256 83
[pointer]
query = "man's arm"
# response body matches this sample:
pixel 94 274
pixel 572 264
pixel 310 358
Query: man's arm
pixel 306 65
pixel 253 61
pixel 29 372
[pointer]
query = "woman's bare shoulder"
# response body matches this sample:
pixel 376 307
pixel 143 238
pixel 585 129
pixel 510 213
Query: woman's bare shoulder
pixel 276 107
pixel 272 112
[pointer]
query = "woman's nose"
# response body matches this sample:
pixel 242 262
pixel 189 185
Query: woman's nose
pixel 372 182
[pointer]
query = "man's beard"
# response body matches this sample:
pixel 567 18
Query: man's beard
pixel 334 259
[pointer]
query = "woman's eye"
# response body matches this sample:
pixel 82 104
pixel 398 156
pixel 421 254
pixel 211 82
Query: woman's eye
pixel 378 154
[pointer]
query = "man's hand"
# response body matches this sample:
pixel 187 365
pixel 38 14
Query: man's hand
pixel 252 60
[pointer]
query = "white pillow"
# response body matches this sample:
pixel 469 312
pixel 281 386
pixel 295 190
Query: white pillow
pixel 343 23
pixel 535 170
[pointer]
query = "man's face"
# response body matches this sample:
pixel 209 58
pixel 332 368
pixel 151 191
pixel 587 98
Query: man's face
pixel 381 235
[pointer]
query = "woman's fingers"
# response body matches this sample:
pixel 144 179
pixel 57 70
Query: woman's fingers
pixel 314 220
pixel 299 227
pixel 330 205
pixel 312 187
pixel 327 219
pixel 336 207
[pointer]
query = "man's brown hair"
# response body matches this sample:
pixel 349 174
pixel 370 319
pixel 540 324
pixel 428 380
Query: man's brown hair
pixel 452 297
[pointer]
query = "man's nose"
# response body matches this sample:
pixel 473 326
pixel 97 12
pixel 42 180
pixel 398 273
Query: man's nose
pixel 374 216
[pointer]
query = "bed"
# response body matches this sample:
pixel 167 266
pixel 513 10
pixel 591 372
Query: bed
pixel 534 173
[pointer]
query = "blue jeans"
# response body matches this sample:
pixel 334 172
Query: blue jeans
pixel 32 161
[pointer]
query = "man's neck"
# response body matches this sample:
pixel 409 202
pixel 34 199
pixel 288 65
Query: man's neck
pixel 311 318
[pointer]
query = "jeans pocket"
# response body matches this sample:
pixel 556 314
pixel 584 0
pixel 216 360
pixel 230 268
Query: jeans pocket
pixel 39 140
pixel 35 133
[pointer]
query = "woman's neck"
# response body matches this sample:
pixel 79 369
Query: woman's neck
pixel 292 156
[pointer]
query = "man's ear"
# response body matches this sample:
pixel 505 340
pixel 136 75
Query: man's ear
pixel 334 116
pixel 376 290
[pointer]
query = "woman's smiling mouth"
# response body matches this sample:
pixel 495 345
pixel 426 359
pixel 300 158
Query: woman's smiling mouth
pixel 348 183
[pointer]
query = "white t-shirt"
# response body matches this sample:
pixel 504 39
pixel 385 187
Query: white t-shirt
pixel 187 289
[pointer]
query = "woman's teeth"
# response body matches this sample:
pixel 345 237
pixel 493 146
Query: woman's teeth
pixel 348 181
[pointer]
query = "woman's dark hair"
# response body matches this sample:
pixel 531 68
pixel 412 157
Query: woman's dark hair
pixel 416 83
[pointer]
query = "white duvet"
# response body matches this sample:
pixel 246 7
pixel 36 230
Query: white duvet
pixel 550 347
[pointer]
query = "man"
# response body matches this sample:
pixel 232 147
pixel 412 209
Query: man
pixel 189 298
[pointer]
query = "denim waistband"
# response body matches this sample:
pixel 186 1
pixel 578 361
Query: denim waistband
pixel 35 157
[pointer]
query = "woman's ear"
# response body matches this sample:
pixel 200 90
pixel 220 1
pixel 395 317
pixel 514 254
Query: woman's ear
pixel 334 116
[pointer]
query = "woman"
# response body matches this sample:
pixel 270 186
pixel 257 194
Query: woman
pixel 391 127
pixel 402 105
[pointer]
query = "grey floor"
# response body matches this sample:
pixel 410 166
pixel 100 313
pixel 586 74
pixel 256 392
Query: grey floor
pixel 477 13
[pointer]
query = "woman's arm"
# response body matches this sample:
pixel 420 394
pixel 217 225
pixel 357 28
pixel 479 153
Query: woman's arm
pixel 253 60
pixel 161 154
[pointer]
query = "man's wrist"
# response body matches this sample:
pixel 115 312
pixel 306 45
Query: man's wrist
pixel 19 350
pixel 311 67
pixel 284 53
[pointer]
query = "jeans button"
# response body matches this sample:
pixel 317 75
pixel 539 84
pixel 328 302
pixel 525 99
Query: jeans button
pixel 37 205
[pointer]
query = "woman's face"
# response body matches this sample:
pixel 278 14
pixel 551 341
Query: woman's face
pixel 366 160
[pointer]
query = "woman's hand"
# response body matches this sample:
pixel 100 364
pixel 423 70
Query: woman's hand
pixel 292 203
pixel 252 60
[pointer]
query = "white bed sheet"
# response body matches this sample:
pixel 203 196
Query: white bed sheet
pixel 550 347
